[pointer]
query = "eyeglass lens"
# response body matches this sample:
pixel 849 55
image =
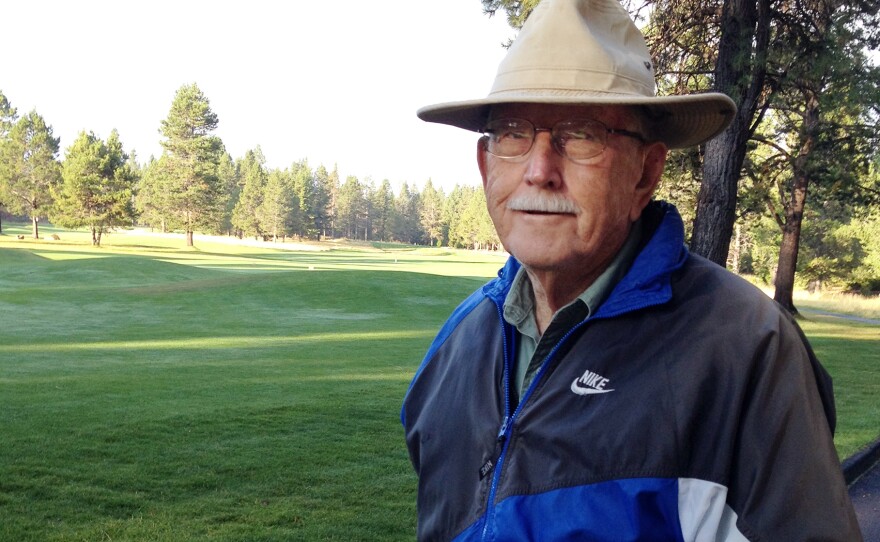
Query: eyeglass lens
pixel 575 139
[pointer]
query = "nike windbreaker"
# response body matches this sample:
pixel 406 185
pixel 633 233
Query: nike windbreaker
pixel 689 407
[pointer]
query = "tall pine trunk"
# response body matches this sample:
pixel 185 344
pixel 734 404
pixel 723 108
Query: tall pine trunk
pixel 739 72
pixel 716 204
pixel 96 235
pixel 788 255
pixel 794 208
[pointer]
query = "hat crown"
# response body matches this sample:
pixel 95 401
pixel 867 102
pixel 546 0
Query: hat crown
pixel 577 47
pixel 589 52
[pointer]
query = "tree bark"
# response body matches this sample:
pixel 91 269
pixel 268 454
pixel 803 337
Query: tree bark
pixel 791 236
pixel 739 72
pixel 189 238
pixel 716 203
pixel 36 228
pixel 96 235
pixel 794 211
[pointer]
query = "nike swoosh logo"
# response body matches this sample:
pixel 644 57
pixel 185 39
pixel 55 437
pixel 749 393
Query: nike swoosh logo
pixel 582 390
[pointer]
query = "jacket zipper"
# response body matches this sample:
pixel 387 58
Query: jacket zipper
pixel 503 431
pixel 509 419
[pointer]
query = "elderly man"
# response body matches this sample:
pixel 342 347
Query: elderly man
pixel 608 385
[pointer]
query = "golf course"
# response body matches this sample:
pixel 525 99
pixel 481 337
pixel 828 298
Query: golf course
pixel 244 391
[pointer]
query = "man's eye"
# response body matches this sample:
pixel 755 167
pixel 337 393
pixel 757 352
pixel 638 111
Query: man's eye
pixel 584 135
pixel 511 134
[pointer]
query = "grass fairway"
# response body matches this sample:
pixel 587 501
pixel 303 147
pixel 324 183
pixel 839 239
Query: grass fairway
pixel 151 392
pixel 236 393
pixel 850 351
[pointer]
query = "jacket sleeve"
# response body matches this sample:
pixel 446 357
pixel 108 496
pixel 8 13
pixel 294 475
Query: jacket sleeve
pixel 786 481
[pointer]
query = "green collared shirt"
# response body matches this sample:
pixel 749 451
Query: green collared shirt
pixel 519 310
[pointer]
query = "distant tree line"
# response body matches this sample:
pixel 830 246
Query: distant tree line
pixel 195 185
pixel 300 202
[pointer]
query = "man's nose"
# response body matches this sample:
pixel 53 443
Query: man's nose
pixel 543 162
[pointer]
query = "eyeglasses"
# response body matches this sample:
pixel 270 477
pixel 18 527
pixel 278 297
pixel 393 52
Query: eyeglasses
pixel 578 140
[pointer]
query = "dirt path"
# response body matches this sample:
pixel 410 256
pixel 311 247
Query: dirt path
pixel 850 317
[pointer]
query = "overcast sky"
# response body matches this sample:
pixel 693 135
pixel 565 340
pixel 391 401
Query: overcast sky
pixel 334 82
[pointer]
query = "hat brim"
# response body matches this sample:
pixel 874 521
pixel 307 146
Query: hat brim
pixel 678 121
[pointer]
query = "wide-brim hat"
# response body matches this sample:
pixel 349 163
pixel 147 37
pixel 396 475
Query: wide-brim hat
pixel 589 52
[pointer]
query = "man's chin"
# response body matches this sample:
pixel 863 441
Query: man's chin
pixel 540 257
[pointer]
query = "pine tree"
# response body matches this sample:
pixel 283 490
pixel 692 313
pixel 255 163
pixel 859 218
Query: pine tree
pixel 407 227
pixel 824 112
pixel 8 116
pixel 150 202
pixel 321 200
pixel 303 186
pixel 350 207
pixel 383 211
pixel 278 209
pixel 29 168
pixel 227 172
pixel 195 196
pixel 252 177
pixel 97 186
pixel 328 190
pixel 453 210
pixel 431 213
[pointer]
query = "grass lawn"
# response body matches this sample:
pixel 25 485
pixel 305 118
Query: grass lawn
pixel 154 392
pixel 242 393
pixel 850 351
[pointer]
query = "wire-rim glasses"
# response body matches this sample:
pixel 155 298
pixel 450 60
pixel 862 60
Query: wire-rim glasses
pixel 576 139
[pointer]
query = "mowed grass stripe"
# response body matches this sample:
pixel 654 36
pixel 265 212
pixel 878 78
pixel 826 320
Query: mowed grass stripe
pixel 215 342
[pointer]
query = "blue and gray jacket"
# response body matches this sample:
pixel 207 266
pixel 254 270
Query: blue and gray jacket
pixel 688 407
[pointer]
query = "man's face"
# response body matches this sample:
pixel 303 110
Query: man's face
pixel 592 204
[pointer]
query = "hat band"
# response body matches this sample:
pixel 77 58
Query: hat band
pixel 555 82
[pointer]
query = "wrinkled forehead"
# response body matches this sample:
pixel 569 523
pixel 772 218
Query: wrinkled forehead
pixel 545 115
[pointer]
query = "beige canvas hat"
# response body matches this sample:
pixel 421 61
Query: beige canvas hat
pixel 589 52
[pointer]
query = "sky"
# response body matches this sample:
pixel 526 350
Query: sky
pixel 334 82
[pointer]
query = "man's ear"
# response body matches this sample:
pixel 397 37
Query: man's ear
pixel 652 170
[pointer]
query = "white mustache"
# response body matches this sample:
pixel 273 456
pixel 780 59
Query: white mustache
pixel 542 204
